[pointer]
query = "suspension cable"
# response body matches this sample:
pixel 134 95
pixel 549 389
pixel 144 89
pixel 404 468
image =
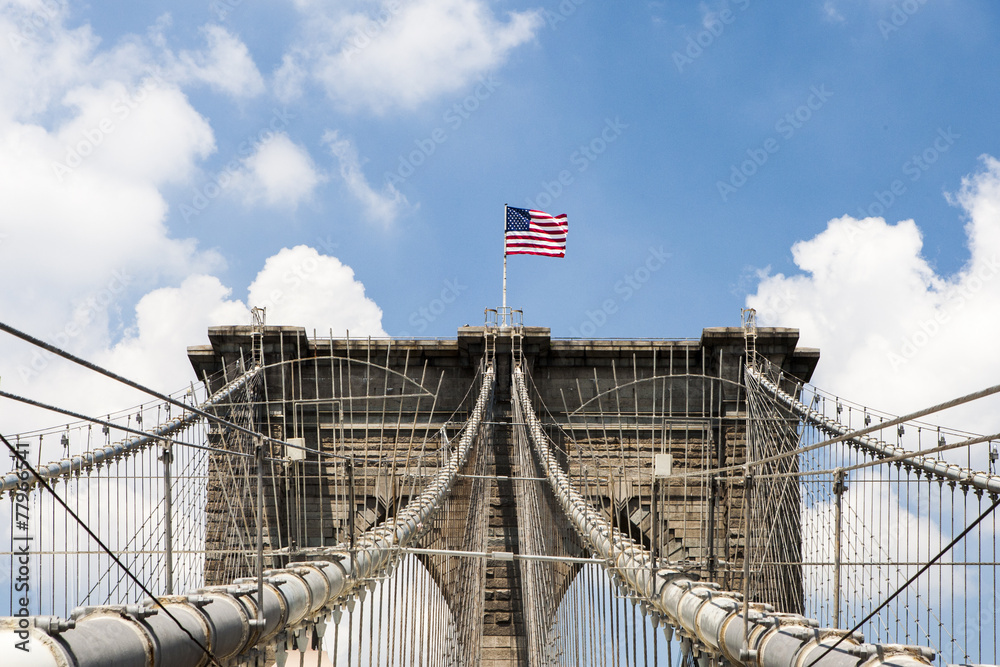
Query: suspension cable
pixel 916 575
pixel 27 466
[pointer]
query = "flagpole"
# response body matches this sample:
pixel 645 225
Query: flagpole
pixel 503 322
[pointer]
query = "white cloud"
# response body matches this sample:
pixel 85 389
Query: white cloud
pixel 78 243
pixel 67 231
pixel 831 12
pixel 279 173
pixel 301 287
pixel 151 352
pixel 384 206
pixel 408 53
pixel 881 529
pixel 897 335
pixel 146 133
pixel 298 286
pixel 38 58
pixel 88 138
pixel 226 65
pixel 893 333
pixel 289 78
pixel 168 320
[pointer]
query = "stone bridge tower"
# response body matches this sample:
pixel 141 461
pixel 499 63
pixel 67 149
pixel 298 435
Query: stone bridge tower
pixel 611 406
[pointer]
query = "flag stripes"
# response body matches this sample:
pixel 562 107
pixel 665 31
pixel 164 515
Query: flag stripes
pixel 532 232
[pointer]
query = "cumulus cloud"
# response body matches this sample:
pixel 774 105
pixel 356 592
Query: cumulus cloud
pixel 380 206
pixel 167 321
pixel 894 333
pixel 89 137
pixel 301 287
pixel 298 286
pixel 152 351
pixel 289 77
pixel 145 133
pixel 38 56
pixel 278 173
pixel 406 53
pixel 80 200
pixel 831 12
pixel 225 65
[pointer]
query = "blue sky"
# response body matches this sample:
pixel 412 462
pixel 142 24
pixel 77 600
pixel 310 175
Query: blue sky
pixel 346 164
pixel 164 167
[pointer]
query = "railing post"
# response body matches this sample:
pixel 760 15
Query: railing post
pixel 838 491
pixel 747 509
pixel 260 530
pixel 351 508
pixel 168 509
pixel 712 484
pixel 654 543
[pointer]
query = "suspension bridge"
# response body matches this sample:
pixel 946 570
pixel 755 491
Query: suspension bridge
pixel 499 498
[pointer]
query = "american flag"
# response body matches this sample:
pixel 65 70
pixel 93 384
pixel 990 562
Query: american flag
pixel 535 233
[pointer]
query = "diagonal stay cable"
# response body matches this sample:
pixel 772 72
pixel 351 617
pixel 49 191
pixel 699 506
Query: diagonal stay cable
pixel 909 581
pixel 27 466
pixel 152 392
pixel 118 378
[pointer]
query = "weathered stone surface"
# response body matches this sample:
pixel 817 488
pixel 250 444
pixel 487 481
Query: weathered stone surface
pixel 619 402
